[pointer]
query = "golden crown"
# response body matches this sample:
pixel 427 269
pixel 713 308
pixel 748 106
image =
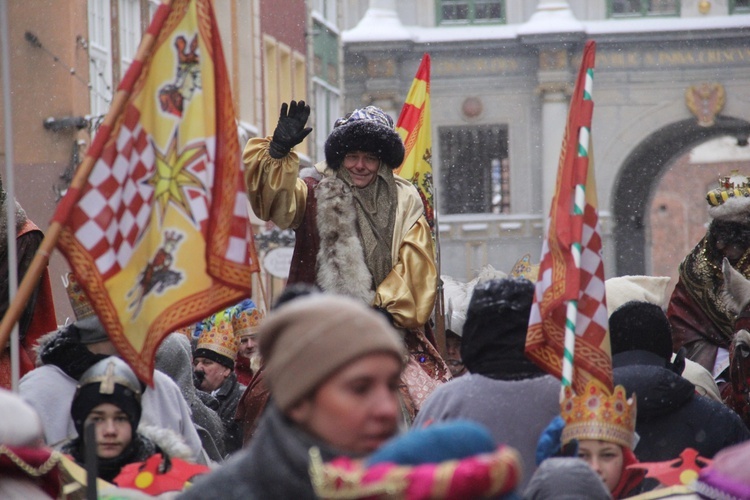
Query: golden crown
pixel 596 414
pixel 78 300
pixel 523 268
pixel 246 322
pixel 218 336
pixel 734 185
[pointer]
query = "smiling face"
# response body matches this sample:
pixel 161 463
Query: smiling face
pixel 113 430
pixel 356 409
pixel 605 458
pixel 363 167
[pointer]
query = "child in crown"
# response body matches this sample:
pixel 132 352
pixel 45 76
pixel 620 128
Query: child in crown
pixel 599 428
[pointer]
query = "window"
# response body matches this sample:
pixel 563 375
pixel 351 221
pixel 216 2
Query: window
pixel 739 6
pixel 100 56
pixel 470 12
pixel 326 113
pixel 326 8
pixel 130 32
pixel 474 169
pixel 643 8
pixel 113 48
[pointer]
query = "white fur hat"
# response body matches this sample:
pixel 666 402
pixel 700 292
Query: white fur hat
pixel 651 289
pixel 731 200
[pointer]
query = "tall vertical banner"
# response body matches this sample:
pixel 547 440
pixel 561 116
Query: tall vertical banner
pixel 159 235
pixel 568 328
pixel 413 126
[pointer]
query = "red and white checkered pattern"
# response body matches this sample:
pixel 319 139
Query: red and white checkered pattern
pixel 116 204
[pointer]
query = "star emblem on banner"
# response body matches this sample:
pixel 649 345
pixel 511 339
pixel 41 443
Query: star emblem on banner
pixel 171 176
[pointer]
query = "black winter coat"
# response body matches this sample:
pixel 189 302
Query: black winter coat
pixel 672 417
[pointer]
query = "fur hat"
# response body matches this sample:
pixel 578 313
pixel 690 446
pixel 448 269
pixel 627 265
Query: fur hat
pixel 640 326
pixel 368 129
pixel 306 340
pixel 108 381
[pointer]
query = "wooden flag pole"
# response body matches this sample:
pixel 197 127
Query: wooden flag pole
pixel 47 246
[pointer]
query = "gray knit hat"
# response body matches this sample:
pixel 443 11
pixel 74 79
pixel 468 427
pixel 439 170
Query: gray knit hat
pixel 307 340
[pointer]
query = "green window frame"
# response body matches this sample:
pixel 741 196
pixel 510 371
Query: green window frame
pixel 463 12
pixel 628 9
pixel 739 6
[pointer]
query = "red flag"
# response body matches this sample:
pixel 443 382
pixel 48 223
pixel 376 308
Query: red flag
pixel 159 235
pixel 571 269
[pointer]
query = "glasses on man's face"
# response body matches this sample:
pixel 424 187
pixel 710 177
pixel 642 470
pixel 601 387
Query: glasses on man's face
pixel 370 160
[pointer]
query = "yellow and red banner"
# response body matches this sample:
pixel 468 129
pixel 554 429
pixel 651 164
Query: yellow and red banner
pixel 159 235
pixel 413 126
pixel 570 287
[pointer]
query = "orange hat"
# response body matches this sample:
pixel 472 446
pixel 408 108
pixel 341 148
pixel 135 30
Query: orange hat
pixel 218 342
pixel 246 318
pixel 596 414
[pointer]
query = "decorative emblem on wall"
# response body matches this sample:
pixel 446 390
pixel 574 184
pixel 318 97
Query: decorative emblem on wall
pixel 705 100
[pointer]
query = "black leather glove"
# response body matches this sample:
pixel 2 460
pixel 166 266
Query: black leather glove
pixel 290 130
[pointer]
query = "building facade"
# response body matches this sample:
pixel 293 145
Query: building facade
pixel 67 59
pixel 669 77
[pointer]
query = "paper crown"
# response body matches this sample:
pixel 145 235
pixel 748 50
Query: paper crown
pixel 246 318
pixel 731 200
pixel 596 414
pixel 78 300
pixel 218 336
pixel 523 268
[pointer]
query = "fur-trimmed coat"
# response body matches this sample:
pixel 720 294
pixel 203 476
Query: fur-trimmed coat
pixel 279 192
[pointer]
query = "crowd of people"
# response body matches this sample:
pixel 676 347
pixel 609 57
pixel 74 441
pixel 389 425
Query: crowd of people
pixel 339 390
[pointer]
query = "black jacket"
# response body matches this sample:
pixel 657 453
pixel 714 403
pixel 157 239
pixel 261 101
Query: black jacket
pixel 672 417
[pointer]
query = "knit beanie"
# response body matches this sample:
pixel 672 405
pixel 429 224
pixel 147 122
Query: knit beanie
pixel 494 335
pixel 640 326
pixel 565 478
pixel 368 129
pixel 109 381
pixel 308 339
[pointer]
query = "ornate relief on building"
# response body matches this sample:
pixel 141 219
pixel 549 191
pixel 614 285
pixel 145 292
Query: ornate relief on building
pixel 705 101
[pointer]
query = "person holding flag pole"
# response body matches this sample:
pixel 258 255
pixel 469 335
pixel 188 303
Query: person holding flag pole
pixel 154 224
pixel 414 125
pixel 360 230
pixel 568 332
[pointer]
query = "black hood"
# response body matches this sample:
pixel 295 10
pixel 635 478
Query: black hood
pixel 659 391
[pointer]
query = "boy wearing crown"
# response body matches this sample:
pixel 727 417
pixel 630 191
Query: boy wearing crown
pixel 701 321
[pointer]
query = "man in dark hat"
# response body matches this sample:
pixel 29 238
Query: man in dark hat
pixel 504 390
pixel 671 416
pixel 360 229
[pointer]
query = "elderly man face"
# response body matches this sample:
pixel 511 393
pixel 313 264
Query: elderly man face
pixel 214 373
pixel 363 167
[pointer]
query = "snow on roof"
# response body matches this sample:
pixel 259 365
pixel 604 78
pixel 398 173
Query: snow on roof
pixel 382 25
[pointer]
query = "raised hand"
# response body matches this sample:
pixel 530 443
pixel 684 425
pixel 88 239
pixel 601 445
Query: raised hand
pixel 290 129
